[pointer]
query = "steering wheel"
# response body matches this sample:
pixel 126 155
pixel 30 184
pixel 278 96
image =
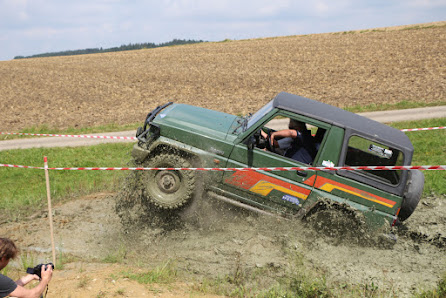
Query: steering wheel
pixel 263 142
pixel 270 146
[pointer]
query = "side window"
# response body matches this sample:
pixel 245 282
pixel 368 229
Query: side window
pixel 364 152
pixel 293 139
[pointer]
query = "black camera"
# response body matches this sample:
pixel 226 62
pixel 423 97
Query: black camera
pixel 38 269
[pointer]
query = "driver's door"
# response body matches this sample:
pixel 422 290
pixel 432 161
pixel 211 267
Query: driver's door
pixel 273 190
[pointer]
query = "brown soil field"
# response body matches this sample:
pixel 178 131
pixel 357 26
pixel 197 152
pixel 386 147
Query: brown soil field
pixel 376 66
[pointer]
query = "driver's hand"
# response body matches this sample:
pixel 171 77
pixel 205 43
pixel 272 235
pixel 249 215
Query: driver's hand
pixel 272 139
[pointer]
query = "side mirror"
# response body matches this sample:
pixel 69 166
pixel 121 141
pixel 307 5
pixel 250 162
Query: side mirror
pixel 254 140
pixel 139 131
pixel 251 142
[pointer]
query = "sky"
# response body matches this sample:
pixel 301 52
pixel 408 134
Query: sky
pixel 29 27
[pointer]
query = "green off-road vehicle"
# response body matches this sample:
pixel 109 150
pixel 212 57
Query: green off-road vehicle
pixel 185 136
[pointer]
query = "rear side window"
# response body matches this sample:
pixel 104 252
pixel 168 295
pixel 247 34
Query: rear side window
pixel 364 152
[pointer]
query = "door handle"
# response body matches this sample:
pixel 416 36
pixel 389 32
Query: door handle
pixel 302 173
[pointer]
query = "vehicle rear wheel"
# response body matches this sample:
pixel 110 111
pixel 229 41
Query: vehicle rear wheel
pixel 336 221
pixel 412 195
pixel 169 189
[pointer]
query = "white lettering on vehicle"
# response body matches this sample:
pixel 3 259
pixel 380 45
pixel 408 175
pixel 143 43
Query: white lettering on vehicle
pixel 291 199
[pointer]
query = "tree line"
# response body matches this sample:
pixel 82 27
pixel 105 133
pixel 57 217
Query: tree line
pixel 129 47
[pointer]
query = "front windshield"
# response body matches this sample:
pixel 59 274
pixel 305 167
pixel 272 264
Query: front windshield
pixel 260 113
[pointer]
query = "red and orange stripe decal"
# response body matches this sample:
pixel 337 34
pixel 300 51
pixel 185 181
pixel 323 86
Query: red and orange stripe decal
pixel 329 185
pixel 263 184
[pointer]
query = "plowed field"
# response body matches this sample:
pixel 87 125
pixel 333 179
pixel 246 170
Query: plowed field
pixel 343 69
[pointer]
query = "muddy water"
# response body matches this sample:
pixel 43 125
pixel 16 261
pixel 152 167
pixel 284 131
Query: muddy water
pixel 216 240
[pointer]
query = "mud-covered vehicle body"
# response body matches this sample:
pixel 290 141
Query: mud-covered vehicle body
pixel 184 136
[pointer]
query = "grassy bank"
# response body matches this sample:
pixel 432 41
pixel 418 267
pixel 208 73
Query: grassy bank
pixel 24 189
pixel 45 129
pixel 430 149
pixel 112 127
pixel 402 105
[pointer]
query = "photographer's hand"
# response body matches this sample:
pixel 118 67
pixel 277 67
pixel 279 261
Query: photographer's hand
pixel 26 279
pixel 20 291
pixel 46 273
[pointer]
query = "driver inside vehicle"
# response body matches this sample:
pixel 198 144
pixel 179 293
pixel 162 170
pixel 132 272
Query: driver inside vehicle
pixel 296 142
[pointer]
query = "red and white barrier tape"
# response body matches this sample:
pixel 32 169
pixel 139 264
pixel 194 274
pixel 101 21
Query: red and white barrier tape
pixel 419 129
pixel 134 138
pixel 368 168
pixel 17 166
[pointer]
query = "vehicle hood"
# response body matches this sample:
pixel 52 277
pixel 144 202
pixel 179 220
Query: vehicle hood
pixel 196 120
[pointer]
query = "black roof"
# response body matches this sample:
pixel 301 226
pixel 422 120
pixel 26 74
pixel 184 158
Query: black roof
pixel 339 117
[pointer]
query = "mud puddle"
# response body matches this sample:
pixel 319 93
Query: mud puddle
pixel 217 241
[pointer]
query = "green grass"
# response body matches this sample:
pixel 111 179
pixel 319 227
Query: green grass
pixel 118 256
pixel 164 273
pixel 45 129
pixel 438 292
pixel 402 105
pixel 297 280
pixel 24 190
pixel 27 260
pixel 430 149
pixel 418 27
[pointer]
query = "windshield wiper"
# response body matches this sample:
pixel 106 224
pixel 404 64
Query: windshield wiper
pixel 245 121
pixel 239 123
pixel 242 122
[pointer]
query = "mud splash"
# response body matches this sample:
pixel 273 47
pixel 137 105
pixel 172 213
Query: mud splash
pixel 219 241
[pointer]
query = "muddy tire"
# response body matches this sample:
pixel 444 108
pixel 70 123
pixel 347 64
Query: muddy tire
pixel 169 189
pixel 412 195
pixel 337 222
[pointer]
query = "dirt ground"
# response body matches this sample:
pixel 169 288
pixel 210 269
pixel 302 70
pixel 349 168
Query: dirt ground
pixel 222 242
pixel 376 66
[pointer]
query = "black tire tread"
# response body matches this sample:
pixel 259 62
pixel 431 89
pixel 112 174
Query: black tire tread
pixel 413 194
pixel 170 160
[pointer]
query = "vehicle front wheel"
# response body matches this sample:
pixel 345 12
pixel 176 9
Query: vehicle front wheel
pixel 169 189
